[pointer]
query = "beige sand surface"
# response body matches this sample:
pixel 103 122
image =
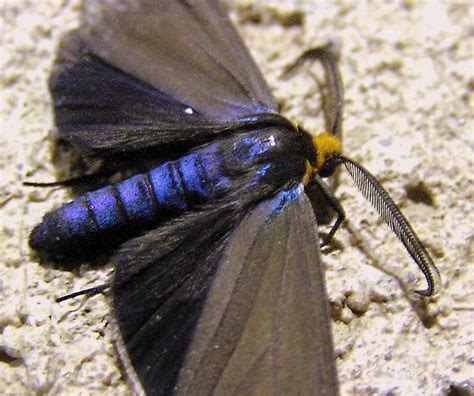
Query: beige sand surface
pixel 408 71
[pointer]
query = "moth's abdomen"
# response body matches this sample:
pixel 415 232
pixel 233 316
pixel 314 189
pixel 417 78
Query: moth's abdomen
pixel 115 212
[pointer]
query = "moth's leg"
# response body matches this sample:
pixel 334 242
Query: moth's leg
pixel 91 291
pixel 74 181
pixel 335 205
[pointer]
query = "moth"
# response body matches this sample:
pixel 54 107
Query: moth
pixel 218 284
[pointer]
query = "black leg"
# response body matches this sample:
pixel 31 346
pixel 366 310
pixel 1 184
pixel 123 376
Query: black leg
pixel 75 181
pixel 334 203
pixel 90 291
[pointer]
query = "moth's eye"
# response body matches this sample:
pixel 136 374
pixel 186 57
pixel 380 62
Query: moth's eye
pixel 328 168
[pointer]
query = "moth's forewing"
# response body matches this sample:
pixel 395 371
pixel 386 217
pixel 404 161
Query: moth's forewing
pixel 264 328
pixel 190 50
pixel 141 74
pixel 258 325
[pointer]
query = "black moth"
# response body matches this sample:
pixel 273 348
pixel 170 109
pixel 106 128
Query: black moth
pixel 218 286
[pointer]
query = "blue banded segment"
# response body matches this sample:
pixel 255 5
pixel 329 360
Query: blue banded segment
pixel 134 204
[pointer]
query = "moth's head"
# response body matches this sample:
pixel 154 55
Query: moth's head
pixel 326 148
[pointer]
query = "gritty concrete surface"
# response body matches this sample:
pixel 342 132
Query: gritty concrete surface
pixel 408 72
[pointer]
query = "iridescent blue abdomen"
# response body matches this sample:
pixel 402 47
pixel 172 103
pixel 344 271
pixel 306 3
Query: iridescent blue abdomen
pixel 135 203
pixel 247 163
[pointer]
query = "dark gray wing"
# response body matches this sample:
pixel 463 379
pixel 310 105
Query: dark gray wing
pixel 265 326
pixel 202 313
pixel 188 49
pixel 144 73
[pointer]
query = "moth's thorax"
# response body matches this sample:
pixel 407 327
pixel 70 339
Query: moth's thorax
pixel 272 155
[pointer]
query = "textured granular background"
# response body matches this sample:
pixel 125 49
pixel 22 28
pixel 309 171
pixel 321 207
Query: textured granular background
pixel 408 72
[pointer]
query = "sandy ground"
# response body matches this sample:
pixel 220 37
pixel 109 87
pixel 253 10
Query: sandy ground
pixel 408 72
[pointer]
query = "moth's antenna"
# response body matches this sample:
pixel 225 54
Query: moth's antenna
pixel 327 55
pixel 391 214
pixel 92 290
